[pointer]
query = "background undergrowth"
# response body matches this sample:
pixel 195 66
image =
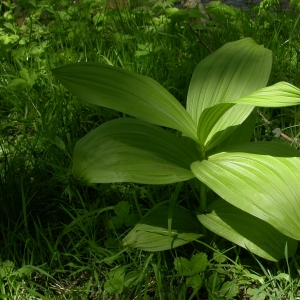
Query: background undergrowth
pixel 60 238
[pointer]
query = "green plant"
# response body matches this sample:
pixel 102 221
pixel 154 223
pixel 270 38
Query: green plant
pixel 255 203
pixel 123 216
pixel 191 269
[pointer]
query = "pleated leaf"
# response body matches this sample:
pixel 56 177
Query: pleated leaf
pixel 247 231
pixel 237 69
pixel 208 119
pixel 152 234
pixel 278 95
pixel 130 150
pixel 227 124
pixel 240 134
pixel 259 178
pixel 218 122
pixel 127 92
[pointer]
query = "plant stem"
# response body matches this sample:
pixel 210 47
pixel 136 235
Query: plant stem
pixel 203 201
pixel 283 135
pixel 203 204
pixel 200 40
pixel 201 149
pixel 202 186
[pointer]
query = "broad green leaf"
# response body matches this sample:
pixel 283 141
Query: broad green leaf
pixel 130 150
pixel 259 178
pixel 240 134
pixel 231 72
pixel 278 95
pixel 227 124
pixel 130 93
pixel 197 264
pixel 237 69
pixel 209 118
pixel 122 209
pixel 152 234
pixel 218 122
pixel 246 230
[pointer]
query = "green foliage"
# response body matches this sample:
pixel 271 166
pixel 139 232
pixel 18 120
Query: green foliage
pixel 123 216
pixel 153 233
pixel 196 264
pixel 55 228
pixel 27 80
pixel 257 178
pixel 296 4
pixel 191 268
pixel 118 280
pixel 234 224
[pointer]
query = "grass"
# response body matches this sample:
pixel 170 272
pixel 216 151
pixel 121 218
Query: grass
pixel 58 236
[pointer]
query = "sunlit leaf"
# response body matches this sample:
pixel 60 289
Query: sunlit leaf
pixel 209 118
pixel 278 95
pixel 130 150
pixel 247 231
pixel 130 93
pixel 218 122
pixel 152 234
pixel 240 134
pixel 259 178
pixel 235 70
